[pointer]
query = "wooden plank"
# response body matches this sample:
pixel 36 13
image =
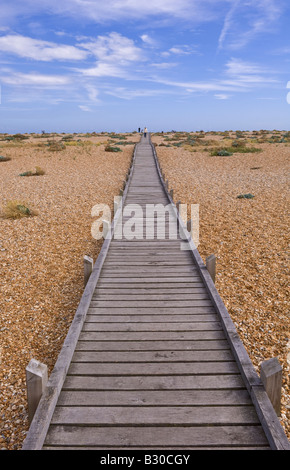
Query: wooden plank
pixel 154 397
pixel 93 316
pixel 126 437
pixel 150 274
pixel 153 356
pixel 165 368
pixel 153 310
pixel 139 289
pixel 144 281
pixel 151 263
pixel 150 335
pixel 150 303
pixel 183 345
pixel 175 326
pixel 165 296
pixel 156 415
pixel 189 286
pixel 149 269
pixel 172 382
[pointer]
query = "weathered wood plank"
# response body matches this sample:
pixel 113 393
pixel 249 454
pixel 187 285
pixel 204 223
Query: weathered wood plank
pixel 147 327
pixel 94 317
pixel 132 296
pixel 151 345
pixel 156 415
pixel 153 356
pixel 183 436
pixel 150 335
pixel 154 397
pixel 150 270
pixel 117 289
pixel 159 281
pixel 194 310
pixel 150 303
pixel 166 368
pixel 172 382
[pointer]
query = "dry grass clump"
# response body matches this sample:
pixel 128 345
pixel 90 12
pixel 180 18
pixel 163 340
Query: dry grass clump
pixel 55 146
pixel 37 172
pixel 109 148
pixel 16 209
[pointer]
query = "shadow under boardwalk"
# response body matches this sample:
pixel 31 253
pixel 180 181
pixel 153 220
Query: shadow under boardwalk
pixel 153 367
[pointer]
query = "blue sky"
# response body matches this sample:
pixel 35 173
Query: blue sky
pixel 84 65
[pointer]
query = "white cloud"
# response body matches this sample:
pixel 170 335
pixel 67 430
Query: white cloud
pixel 114 53
pixel 113 48
pixel 246 20
pixel 93 93
pixel 222 96
pixel 248 73
pixel 39 50
pixel 110 10
pixel 35 79
pixel 103 69
pixel 129 94
pixel 164 65
pixel 85 108
pixel 179 50
pixel 148 40
pixel 239 76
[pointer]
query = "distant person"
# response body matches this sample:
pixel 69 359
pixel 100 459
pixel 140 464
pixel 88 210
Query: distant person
pixel 145 131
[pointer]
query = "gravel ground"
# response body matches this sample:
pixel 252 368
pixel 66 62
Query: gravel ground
pixel 42 257
pixel 248 236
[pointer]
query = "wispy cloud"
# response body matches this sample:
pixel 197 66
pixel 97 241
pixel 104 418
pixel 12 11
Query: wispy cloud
pixel 113 47
pixel 244 21
pixel 35 79
pixel 112 10
pixel 248 73
pixel 39 50
pixel 85 108
pixel 148 40
pixel 181 50
pixel 129 93
pixel 238 76
pixel 221 96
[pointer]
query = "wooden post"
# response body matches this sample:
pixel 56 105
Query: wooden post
pixel 88 267
pixel 271 376
pixel 36 380
pixel 171 193
pixel 121 192
pixel 211 266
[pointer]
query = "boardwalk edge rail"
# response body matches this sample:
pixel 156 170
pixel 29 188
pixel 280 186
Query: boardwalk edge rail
pixel 39 425
pixel 266 413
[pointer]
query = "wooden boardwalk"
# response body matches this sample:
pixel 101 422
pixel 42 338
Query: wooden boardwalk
pixel 152 359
